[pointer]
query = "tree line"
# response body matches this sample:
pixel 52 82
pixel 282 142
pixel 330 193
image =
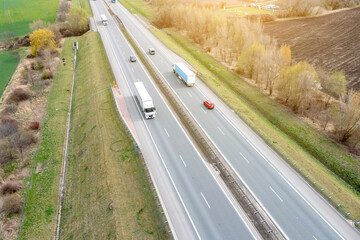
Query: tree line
pixel 242 46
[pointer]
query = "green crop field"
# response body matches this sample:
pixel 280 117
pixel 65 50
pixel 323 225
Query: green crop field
pixel 16 15
pixel 8 63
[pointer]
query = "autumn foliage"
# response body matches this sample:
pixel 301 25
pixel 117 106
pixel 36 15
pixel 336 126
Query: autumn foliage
pixel 42 39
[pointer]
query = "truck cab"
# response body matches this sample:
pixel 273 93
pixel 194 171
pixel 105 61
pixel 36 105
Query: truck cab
pixel 104 19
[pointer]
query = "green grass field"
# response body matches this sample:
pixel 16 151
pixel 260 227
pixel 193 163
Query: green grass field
pixel 42 205
pixel 16 15
pixel 103 166
pixel 8 63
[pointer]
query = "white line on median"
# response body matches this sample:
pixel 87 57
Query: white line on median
pixel 314 237
pixel 244 157
pixel 166 132
pixel 205 199
pixel 275 193
pixel 182 160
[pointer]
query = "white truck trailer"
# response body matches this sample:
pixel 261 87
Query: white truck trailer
pixel 104 19
pixel 145 101
pixel 184 73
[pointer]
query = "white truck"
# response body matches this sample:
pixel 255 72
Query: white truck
pixel 184 73
pixel 145 101
pixel 104 19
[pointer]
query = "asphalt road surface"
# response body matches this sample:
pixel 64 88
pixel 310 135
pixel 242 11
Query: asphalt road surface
pixel 196 202
pixel 298 210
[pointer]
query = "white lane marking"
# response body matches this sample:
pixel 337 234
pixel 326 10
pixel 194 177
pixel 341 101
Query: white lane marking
pixel 244 157
pixel 206 165
pixel 182 160
pixel 314 237
pixel 281 175
pixel 166 132
pixel 132 70
pixel 221 131
pixel 177 79
pixel 203 110
pixel 276 193
pixel 205 200
pixel 189 94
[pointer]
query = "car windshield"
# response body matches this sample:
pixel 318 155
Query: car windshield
pixel 148 110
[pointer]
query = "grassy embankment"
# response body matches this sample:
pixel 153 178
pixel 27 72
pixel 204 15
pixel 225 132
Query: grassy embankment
pixel 8 63
pixel 16 15
pixel 103 167
pixel 233 89
pixel 40 213
pixel 215 75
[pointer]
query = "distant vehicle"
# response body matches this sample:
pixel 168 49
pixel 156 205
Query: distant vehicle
pixel 145 101
pixel 113 1
pixel 209 104
pixel 184 73
pixel 132 58
pixel 104 19
pixel 151 51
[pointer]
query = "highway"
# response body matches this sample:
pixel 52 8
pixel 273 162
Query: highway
pixel 196 203
pixel 297 209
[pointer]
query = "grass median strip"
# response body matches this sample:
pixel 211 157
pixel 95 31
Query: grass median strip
pixel 104 171
pixel 214 74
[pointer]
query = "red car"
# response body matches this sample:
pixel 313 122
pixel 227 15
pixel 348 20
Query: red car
pixel 209 104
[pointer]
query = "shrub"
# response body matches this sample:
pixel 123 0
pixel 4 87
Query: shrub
pixel 6 153
pixel 9 109
pixel 42 39
pixel 47 75
pixel 8 126
pixel 10 187
pixel 34 125
pixel 18 95
pixel 12 203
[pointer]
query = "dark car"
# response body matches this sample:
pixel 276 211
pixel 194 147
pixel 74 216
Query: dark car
pixel 132 58
pixel 209 104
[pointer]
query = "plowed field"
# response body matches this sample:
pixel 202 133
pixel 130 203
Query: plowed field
pixel 331 42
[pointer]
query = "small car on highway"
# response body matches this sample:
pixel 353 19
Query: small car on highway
pixel 151 51
pixel 132 58
pixel 209 104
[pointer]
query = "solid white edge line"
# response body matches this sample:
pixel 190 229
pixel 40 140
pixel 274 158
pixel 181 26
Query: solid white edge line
pixel 157 190
pixel 246 223
pixel 187 212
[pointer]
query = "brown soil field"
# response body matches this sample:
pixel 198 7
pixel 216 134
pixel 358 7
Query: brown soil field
pixel 330 42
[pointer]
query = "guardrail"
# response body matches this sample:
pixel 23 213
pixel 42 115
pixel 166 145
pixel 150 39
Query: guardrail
pixel 291 163
pixel 262 222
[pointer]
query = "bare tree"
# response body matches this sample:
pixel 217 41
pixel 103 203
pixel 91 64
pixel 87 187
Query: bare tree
pixel 38 24
pixel 334 85
pixel 20 140
pixel 347 119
